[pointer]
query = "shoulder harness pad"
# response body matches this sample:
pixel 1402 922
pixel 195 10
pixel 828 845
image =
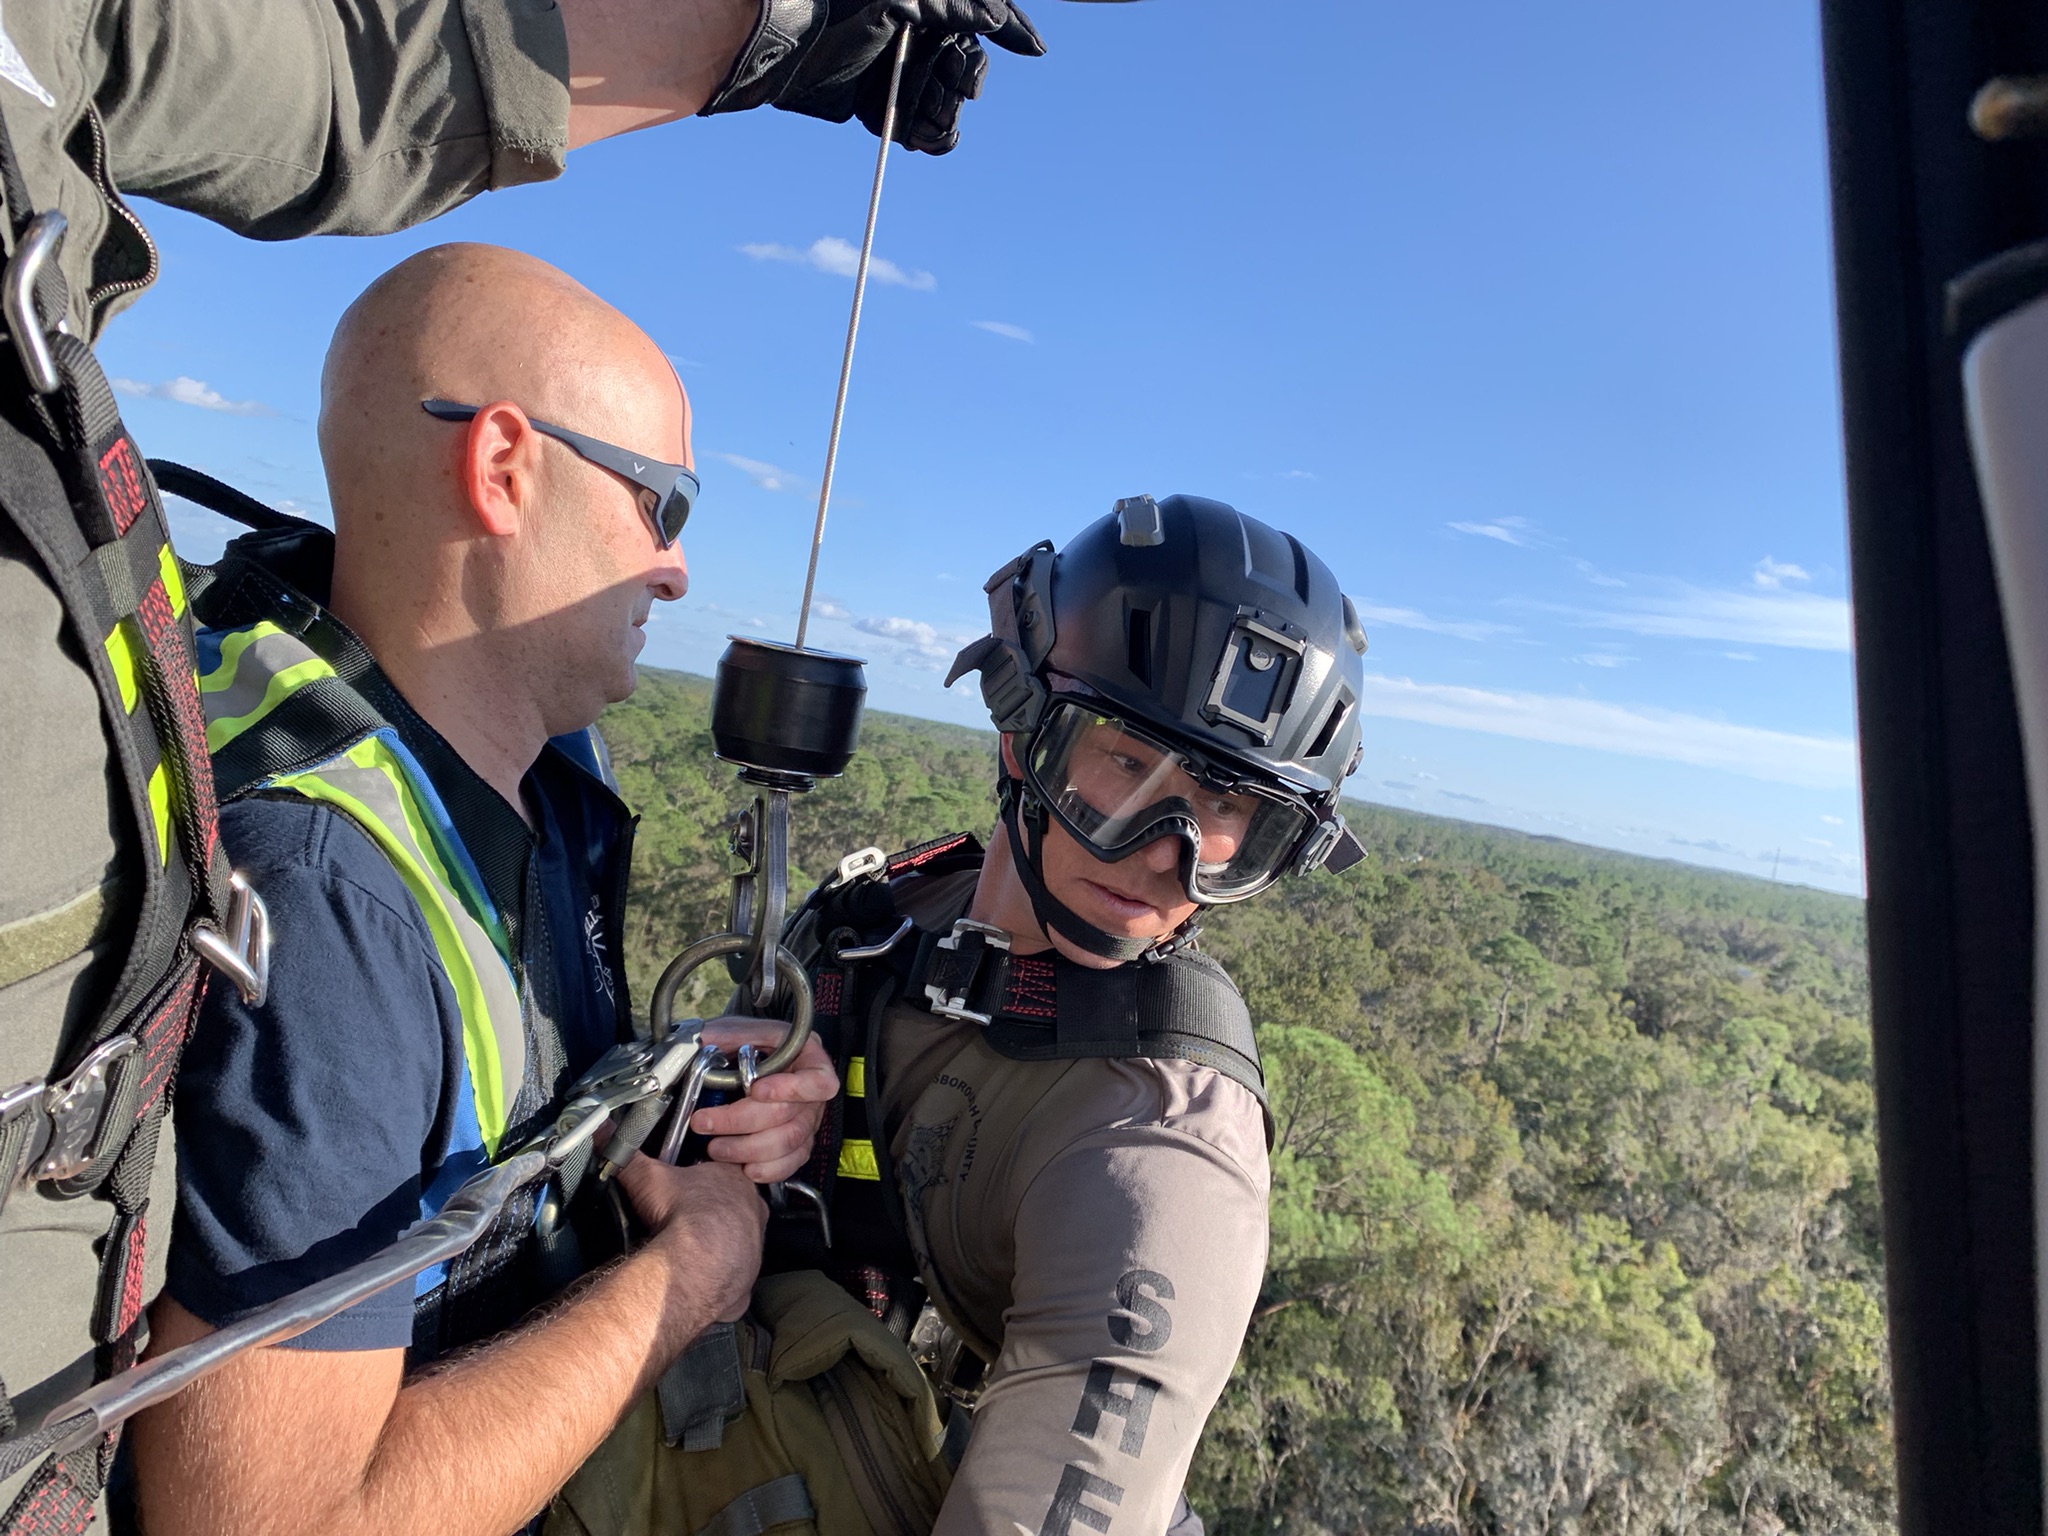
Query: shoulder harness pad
pixel 1182 1006
pixel 1044 1007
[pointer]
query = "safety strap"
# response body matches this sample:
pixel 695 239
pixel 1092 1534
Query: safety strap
pixel 1180 1007
pixel 1044 1007
pixel 73 483
pixel 782 1502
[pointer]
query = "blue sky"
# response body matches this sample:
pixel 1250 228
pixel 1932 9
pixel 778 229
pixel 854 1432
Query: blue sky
pixel 1521 318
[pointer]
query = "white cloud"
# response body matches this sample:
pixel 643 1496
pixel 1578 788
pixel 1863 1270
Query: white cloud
pixel 841 258
pixel 1803 621
pixel 770 477
pixel 1507 530
pixel 1408 618
pixel 1831 821
pixel 914 642
pixel 1595 575
pixel 1603 659
pixel 189 391
pixel 1826 762
pixel 1003 328
pixel 1740 655
pixel 1771 575
pixel 1299 474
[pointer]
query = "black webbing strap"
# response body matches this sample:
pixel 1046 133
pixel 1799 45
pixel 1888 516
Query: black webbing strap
pixel 74 485
pixel 218 496
pixel 1044 1007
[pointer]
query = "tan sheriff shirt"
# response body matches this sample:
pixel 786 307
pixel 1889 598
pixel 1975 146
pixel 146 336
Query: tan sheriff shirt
pixel 1098 1230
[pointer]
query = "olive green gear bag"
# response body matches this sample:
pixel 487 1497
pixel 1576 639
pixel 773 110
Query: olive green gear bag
pixel 807 1418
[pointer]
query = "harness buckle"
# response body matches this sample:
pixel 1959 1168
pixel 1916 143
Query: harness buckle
pixel 18 300
pixel 956 967
pixel 858 866
pixel 77 1110
pixel 23 1102
pixel 1174 944
pixel 242 954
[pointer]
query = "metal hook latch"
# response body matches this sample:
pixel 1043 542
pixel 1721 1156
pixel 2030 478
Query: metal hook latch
pixel 956 967
pixel 242 954
pixel 77 1108
pixel 18 300
pixel 858 866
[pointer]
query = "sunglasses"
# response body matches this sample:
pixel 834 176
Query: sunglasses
pixel 672 488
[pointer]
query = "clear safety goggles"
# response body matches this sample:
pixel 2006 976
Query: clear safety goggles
pixel 1116 787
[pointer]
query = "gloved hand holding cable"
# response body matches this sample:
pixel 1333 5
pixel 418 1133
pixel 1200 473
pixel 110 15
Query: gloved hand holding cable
pixel 831 59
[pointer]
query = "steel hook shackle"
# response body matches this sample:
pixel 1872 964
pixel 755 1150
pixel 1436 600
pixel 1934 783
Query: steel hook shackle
pixel 788 968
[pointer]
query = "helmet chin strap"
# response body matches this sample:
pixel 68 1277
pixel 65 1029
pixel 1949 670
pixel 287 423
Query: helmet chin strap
pixel 1054 915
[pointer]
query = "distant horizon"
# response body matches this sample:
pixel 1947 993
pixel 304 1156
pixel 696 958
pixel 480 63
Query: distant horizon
pixel 1348 798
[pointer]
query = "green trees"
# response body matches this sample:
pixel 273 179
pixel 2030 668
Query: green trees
pixel 1574 1182
pixel 1649 1298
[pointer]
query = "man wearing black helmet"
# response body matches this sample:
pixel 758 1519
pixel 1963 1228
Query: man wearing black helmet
pixel 1054 1128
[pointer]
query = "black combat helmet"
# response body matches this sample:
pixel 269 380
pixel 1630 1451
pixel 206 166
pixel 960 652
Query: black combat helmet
pixel 1171 641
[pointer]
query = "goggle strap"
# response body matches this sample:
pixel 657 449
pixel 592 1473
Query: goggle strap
pixel 1053 914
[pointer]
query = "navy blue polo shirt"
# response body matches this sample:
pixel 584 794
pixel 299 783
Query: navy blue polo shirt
pixel 310 1128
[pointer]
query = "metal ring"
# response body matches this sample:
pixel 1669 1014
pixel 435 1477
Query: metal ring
pixel 787 966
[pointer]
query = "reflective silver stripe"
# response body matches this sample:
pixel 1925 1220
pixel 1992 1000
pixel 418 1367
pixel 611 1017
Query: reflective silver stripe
pixel 259 668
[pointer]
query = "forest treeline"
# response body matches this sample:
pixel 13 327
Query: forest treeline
pixel 1575 1223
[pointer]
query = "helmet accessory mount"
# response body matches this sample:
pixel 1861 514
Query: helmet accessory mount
pixel 1255 676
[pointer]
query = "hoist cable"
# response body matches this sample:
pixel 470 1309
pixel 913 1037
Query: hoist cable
pixel 860 288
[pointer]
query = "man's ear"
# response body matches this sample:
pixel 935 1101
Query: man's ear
pixel 1010 764
pixel 500 468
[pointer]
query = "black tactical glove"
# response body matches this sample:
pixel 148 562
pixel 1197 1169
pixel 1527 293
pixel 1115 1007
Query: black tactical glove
pixel 832 58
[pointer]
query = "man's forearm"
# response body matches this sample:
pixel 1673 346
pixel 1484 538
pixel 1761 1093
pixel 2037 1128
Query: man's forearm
pixel 635 63
pixel 520 1415
pixel 363 116
pixel 471 1449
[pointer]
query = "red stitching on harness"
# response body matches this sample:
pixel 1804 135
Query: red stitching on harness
pixel 121 484
pixel 131 1277
pixel 171 662
pixel 917 857
pixel 1032 989
pixel 869 1285
pixel 52 1505
pixel 831 987
pixel 165 1031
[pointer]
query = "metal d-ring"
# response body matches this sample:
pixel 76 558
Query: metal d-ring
pixel 788 968
pixel 18 300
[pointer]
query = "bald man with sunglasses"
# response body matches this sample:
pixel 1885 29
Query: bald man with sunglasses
pixel 400 719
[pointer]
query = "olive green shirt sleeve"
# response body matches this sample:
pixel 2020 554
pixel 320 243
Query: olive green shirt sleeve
pixel 1140 1249
pixel 303 117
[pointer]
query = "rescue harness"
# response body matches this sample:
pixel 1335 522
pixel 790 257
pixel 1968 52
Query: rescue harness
pixel 885 929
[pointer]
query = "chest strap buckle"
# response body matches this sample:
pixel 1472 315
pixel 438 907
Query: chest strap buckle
pixel 78 1109
pixel 956 969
